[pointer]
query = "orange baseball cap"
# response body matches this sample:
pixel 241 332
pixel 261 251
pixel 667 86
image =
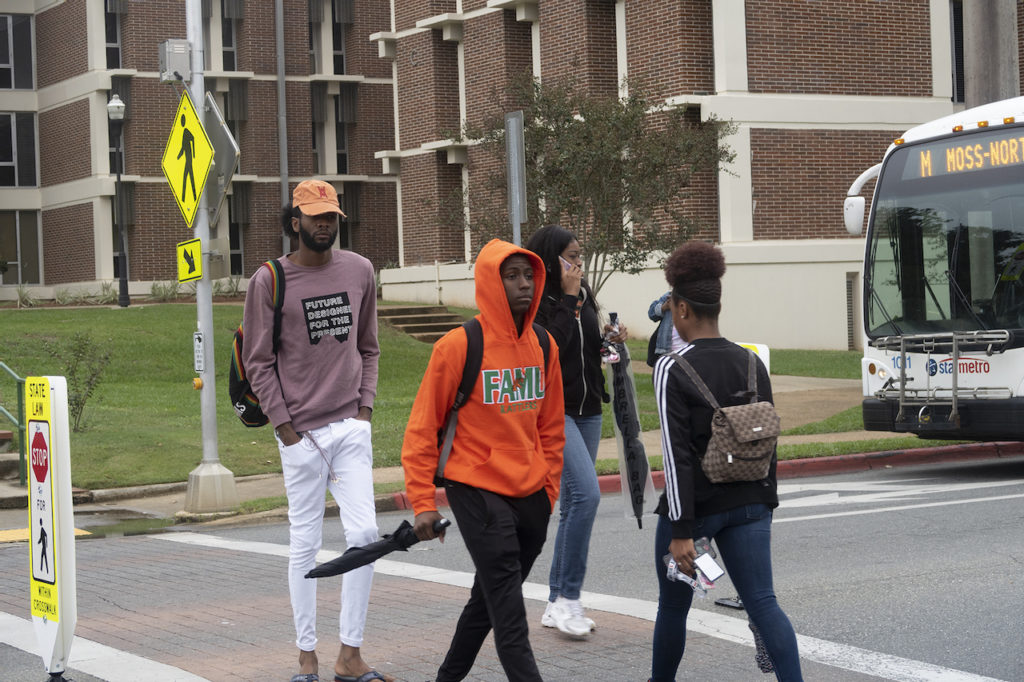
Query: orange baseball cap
pixel 314 197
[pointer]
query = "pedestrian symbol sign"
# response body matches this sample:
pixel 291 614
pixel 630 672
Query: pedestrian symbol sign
pixel 190 260
pixel 187 158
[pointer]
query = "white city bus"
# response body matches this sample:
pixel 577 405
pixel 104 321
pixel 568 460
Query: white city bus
pixel 943 299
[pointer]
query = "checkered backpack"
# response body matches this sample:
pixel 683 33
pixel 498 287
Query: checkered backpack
pixel 743 437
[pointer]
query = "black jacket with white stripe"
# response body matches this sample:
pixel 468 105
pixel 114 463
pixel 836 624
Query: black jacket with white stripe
pixel 686 428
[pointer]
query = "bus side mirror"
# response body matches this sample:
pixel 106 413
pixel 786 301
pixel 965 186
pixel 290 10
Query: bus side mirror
pixel 853 214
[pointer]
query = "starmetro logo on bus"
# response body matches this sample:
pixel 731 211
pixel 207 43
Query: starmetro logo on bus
pixel 965 366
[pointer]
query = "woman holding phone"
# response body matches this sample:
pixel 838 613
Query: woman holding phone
pixel 570 313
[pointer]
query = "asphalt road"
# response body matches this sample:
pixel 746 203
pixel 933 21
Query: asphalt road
pixel 904 573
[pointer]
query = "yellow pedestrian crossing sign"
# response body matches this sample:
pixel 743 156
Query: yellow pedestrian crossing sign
pixel 190 260
pixel 187 158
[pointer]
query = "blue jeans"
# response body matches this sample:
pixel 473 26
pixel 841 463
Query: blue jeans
pixel 578 502
pixel 743 538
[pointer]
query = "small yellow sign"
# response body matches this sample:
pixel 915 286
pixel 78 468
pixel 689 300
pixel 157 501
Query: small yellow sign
pixel 187 158
pixel 190 260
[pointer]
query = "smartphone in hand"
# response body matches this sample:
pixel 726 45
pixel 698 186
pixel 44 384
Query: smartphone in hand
pixel 566 265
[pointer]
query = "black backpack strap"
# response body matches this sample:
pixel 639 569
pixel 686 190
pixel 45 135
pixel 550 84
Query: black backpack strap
pixel 470 370
pixel 277 285
pixel 545 342
pixel 752 376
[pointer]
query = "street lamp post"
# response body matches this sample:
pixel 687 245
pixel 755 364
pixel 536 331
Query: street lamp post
pixel 115 113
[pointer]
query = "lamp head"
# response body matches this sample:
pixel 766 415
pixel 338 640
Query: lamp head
pixel 115 108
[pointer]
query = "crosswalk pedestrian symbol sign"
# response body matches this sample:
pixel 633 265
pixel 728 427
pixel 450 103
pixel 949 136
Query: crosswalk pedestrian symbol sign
pixel 187 158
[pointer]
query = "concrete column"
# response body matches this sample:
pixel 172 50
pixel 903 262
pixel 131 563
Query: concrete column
pixel 991 65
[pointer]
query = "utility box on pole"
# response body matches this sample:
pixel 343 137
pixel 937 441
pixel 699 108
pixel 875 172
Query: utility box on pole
pixel 175 61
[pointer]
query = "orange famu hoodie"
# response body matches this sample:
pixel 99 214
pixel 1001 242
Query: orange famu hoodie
pixel 510 432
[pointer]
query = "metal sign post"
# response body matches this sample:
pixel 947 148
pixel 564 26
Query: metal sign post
pixel 515 158
pixel 53 593
pixel 211 486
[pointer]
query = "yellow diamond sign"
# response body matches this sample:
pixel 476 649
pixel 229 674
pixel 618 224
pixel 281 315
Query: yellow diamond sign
pixel 187 158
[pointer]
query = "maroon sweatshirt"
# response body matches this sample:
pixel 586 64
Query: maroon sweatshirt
pixel 327 359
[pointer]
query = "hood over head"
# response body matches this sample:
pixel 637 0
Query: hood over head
pixel 490 291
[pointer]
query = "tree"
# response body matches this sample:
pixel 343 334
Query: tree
pixel 615 171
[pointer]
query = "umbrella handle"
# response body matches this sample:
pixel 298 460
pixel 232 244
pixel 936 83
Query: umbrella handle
pixel 440 525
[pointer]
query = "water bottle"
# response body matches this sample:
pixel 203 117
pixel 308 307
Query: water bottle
pixel 609 354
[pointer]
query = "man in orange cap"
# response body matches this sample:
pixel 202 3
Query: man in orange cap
pixel 317 388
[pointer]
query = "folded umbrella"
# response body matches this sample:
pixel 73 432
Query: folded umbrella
pixel 401 540
pixel 635 470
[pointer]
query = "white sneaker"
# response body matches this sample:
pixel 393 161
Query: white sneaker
pixel 567 615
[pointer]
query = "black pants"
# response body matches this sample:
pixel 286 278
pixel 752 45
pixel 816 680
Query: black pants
pixel 504 535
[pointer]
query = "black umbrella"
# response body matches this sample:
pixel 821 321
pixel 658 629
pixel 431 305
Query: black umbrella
pixel 633 465
pixel 402 539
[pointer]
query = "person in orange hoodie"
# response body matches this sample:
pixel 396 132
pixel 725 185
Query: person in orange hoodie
pixel 505 464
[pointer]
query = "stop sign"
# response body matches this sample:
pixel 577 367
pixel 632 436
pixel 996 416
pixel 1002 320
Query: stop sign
pixel 40 456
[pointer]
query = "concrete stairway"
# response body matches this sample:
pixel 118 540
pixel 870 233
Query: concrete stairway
pixel 425 323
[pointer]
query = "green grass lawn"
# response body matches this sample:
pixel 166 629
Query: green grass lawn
pixel 143 423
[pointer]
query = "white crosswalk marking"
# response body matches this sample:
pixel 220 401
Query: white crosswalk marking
pixel 734 630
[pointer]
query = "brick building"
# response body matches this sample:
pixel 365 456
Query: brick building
pixel 818 90
pixel 374 88
pixel 64 60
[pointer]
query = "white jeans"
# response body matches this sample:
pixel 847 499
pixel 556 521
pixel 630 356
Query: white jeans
pixel 346 455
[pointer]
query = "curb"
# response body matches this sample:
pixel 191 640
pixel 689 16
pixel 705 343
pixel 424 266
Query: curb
pixel 797 468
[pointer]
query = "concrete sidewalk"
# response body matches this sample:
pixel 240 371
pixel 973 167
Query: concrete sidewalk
pixel 211 605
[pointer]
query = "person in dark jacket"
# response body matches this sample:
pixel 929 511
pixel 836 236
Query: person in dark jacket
pixel 569 312
pixel 737 516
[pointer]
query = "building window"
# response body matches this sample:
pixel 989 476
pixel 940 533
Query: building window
pixel 956 14
pixel 18 150
pixel 314 49
pixel 113 32
pixel 337 40
pixel 340 135
pixel 115 234
pixel 19 247
pixel 16 52
pixel 235 239
pixel 229 40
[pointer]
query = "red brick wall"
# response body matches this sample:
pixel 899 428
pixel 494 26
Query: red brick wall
pixel 68 254
pixel 361 57
pixel 258 140
pixel 158 229
pixel 838 47
pixel 376 236
pixel 61 43
pixel 150 120
pixel 496 48
pixel 577 39
pixel 427 182
pixel 800 178
pixel 670 47
pixel 144 27
pixel 374 129
pixel 408 12
pixel 428 88
pixel 64 157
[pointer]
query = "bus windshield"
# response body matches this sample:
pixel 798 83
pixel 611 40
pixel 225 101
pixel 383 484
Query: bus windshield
pixel 946 240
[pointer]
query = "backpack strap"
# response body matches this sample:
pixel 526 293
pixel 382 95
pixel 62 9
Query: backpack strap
pixel 470 371
pixel 752 376
pixel 703 388
pixel 695 378
pixel 277 287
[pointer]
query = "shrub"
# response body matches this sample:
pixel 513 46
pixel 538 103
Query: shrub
pixel 83 364
pixel 164 292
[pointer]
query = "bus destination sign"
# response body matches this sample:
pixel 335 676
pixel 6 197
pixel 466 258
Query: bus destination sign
pixel 979 151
